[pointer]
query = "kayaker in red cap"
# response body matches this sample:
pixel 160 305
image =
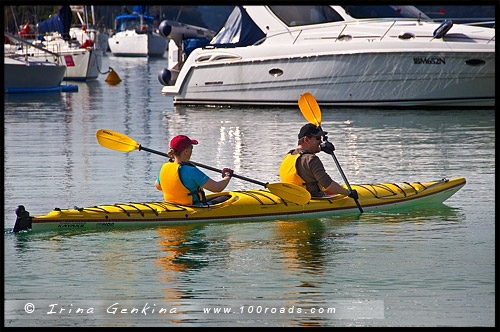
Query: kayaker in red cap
pixel 302 167
pixel 183 183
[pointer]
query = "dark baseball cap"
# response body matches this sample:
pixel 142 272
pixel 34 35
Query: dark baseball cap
pixel 310 129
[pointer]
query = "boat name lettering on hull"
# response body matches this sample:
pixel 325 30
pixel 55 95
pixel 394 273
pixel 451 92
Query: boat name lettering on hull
pixel 429 61
pixel 74 225
pixel 105 224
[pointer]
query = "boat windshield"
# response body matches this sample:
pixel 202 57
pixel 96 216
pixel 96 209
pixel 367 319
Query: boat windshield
pixel 305 15
pixel 381 12
pixel 133 22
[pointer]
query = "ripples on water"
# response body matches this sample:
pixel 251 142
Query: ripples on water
pixel 429 267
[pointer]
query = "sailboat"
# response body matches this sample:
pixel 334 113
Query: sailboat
pixel 87 33
pixel 25 74
pixel 82 61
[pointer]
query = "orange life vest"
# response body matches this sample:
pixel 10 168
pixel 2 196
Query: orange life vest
pixel 288 170
pixel 173 189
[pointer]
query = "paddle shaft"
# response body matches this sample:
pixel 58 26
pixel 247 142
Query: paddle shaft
pixel 286 191
pixel 205 166
pixel 345 180
pixel 342 173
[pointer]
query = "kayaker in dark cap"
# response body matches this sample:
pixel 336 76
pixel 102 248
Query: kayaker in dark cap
pixel 183 183
pixel 302 167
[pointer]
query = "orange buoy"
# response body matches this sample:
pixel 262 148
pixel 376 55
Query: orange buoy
pixel 113 77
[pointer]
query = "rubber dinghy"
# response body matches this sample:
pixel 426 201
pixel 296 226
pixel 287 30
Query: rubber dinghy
pixel 234 206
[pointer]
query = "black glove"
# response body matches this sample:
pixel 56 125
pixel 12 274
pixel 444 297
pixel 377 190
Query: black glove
pixel 353 194
pixel 327 147
pixel 227 171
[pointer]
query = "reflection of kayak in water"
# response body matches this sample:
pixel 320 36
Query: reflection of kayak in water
pixel 241 206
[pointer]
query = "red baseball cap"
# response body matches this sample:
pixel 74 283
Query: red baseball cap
pixel 180 143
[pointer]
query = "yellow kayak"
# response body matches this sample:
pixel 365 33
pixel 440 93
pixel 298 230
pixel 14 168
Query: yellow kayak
pixel 231 206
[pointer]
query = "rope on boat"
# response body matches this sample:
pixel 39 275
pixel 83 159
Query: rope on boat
pixel 372 188
pixel 99 209
pixel 121 206
pixel 99 69
pixel 147 205
pixel 255 194
pixel 125 211
pixel 166 204
pixel 135 207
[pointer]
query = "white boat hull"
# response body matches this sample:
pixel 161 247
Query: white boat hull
pixel 130 43
pixel 364 79
pixel 81 66
pixel 81 63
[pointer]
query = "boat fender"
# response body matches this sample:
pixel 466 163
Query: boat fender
pixel 23 220
pixel 164 76
pixel 87 43
pixel 167 76
pixel 180 31
pixel 164 29
pixel 442 29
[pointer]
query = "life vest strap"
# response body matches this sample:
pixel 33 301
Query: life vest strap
pixel 199 192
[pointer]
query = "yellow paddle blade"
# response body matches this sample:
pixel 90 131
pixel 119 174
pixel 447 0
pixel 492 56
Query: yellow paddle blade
pixel 310 109
pixel 290 192
pixel 116 141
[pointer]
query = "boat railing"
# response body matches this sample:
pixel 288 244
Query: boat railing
pixel 344 37
pixel 36 50
pixel 332 24
pixel 488 22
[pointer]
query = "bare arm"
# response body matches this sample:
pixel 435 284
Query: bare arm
pixel 336 188
pixel 317 168
pixel 216 186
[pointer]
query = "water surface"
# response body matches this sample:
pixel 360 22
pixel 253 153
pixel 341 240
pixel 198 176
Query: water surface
pixel 429 267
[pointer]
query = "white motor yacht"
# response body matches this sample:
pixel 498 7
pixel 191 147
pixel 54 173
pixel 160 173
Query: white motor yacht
pixel 343 55
pixel 135 36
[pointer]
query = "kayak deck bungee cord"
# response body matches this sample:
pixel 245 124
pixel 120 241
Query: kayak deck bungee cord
pixel 235 206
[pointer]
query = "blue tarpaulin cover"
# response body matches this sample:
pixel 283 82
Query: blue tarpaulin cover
pixel 141 10
pixel 61 22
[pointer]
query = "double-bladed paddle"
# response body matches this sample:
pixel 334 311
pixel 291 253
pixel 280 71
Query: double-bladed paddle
pixel 287 191
pixel 311 111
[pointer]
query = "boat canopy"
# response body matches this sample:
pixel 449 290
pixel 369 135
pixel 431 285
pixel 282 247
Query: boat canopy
pixel 132 21
pixel 305 15
pixel 361 12
pixel 61 22
pixel 294 16
pixel 238 31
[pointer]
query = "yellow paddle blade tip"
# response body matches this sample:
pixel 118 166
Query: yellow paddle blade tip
pixel 116 141
pixel 310 108
pixel 290 192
